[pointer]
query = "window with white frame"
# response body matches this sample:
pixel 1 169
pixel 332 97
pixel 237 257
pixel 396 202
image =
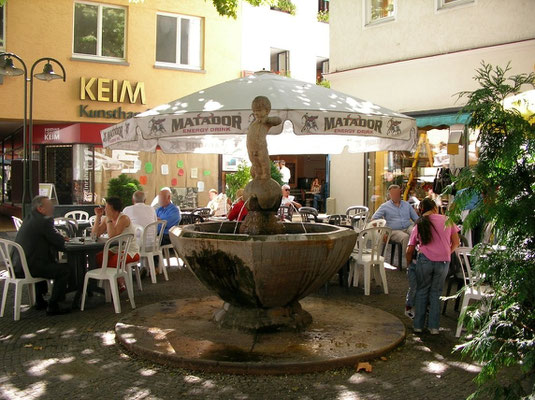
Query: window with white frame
pixel 2 27
pixel 444 4
pixel 179 41
pixel 379 10
pixel 99 30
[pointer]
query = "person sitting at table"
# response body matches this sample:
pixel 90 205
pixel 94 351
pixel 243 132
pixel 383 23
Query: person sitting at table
pixel 315 189
pixel 218 203
pixel 41 241
pixel 399 215
pixel 238 211
pixel 168 212
pixel 287 199
pixel 139 213
pixel 115 223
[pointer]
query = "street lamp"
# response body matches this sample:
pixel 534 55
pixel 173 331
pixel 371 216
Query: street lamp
pixel 7 68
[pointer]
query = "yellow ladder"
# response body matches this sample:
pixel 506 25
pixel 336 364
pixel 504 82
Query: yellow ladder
pixel 422 140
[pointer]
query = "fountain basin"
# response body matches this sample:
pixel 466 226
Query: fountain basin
pixel 262 277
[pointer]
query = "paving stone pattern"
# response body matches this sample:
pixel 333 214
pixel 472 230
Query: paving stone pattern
pixel 75 356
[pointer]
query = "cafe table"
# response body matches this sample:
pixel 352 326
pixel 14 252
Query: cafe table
pixel 81 254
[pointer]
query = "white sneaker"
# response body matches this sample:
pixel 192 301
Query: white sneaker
pixel 417 330
pixel 434 331
pixel 409 313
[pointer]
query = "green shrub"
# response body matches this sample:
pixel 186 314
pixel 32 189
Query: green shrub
pixel 501 332
pixel 123 187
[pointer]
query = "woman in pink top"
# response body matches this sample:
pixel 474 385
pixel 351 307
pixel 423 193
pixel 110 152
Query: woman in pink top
pixel 436 241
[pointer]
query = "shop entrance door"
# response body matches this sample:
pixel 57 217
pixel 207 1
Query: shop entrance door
pixel 58 170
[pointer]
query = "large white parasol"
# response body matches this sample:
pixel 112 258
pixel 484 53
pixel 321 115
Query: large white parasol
pixel 215 120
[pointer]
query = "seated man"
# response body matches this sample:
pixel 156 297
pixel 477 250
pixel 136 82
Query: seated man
pixel 41 242
pixel 168 212
pixel 287 199
pixel 139 213
pixel 399 215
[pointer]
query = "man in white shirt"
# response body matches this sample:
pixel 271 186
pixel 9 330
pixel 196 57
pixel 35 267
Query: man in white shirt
pixel 285 172
pixel 140 213
pixel 288 199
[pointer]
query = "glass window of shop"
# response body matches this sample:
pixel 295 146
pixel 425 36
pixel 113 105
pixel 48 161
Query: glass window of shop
pixel 99 30
pixel 179 41
pixel 385 168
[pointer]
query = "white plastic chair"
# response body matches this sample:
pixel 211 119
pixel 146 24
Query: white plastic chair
pixel 7 247
pixel 150 247
pixel 120 244
pixel 473 289
pixel 368 252
pixel 92 220
pixel 166 249
pixel 78 215
pixel 358 216
pixel 376 223
pixel 17 222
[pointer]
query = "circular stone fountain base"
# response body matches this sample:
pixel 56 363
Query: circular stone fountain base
pixel 182 333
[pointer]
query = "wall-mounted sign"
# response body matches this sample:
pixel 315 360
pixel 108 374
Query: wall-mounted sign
pixel 103 89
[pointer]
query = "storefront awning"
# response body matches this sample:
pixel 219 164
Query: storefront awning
pixel 442 120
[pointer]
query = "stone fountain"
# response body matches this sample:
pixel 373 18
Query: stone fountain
pixel 261 270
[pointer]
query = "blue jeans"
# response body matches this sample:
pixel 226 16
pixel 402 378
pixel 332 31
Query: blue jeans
pixel 430 277
pixel 411 293
pixel 317 199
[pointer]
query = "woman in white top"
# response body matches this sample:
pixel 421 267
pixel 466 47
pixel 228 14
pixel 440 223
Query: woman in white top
pixel 115 223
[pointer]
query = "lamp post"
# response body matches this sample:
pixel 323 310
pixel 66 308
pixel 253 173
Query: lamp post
pixel 7 68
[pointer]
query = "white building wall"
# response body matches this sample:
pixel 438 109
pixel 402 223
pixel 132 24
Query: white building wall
pixel 420 61
pixel 301 34
pixel 420 30
pixel 430 83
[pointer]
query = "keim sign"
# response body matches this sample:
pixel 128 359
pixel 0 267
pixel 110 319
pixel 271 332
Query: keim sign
pixel 110 90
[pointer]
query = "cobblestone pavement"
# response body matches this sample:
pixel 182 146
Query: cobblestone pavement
pixel 75 356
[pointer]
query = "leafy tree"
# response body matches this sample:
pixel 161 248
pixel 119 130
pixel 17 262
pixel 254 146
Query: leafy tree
pixel 123 187
pixel 501 332
pixel 229 8
pixel 239 179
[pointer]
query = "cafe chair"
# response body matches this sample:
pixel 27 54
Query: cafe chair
pixel 17 222
pixel 285 213
pixel 338 220
pixel 308 214
pixel 473 289
pixel 78 215
pixel 203 212
pixel 358 215
pixel 189 219
pixel 368 253
pixel 150 247
pixel 7 249
pixel 376 223
pixel 167 248
pixel 92 220
pixel 120 245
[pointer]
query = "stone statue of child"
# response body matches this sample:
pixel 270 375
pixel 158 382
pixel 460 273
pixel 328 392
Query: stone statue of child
pixel 256 138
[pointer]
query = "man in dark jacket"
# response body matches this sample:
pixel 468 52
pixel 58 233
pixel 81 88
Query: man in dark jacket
pixel 41 242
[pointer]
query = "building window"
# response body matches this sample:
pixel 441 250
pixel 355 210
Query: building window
pixel 379 11
pixel 178 41
pixel 280 62
pixel 99 30
pixel 445 4
pixel 2 27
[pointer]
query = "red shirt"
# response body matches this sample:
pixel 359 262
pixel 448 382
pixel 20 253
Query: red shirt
pixel 236 211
